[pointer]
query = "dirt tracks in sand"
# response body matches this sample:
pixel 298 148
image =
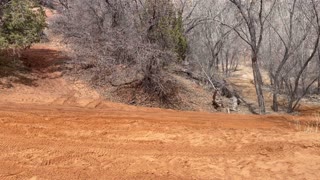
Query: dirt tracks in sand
pixel 123 142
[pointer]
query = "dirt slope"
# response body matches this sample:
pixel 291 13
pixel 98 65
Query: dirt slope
pixel 53 129
pixel 44 81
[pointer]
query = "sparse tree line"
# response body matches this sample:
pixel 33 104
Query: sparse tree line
pixel 133 44
pixel 280 37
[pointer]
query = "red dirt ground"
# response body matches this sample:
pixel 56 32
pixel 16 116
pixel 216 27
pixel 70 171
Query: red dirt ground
pixel 56 130
pixel 119 142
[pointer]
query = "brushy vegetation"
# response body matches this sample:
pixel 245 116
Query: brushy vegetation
pixel 125 45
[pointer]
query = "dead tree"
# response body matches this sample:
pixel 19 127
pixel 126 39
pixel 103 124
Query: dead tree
pixel 318 88
pixel 254 17
pixel 294 96
pixel 290 44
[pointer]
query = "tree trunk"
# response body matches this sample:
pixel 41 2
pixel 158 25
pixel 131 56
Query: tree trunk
pixel 227 63
pixel 258 84
pixel 290 108
pixel 223 66
pixel 319 71
pixel 217 62
pixel 318 64
pixel 275 106
pixel 319 84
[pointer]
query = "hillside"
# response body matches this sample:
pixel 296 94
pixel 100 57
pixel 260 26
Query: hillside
pixel 55 124
pixel 51 128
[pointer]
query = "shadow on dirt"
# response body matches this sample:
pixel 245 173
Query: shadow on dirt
pixel 43 60
pixel 32 65
pixel 13 71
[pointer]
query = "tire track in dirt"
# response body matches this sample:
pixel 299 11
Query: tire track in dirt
pixel 62 142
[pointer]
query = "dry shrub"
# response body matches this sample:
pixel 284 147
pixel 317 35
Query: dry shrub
pixel 159 86
pixel 110 46
pixel 147 83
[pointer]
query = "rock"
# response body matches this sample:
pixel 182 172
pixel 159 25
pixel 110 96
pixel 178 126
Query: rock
pixel 233 103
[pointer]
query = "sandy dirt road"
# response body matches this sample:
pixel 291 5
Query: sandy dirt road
pixel 123 142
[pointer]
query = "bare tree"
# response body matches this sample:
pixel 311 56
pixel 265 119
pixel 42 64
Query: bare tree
pixel 288 41
pixel 254 15
pixel 281 35
pixel 293 29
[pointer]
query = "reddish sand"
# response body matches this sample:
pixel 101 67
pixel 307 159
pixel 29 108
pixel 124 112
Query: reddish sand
pixel 123 142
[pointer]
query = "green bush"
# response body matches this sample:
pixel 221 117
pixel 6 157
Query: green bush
pixel 22 24
pixel 178 38
pixel 167 27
